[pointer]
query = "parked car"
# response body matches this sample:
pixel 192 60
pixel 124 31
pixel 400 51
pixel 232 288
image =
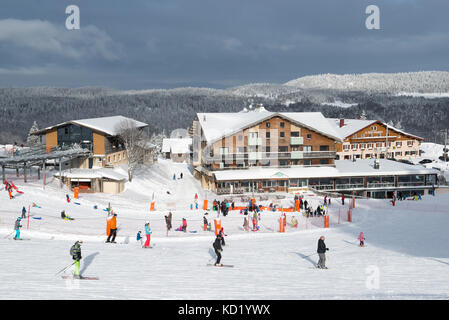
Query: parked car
pixel 424 161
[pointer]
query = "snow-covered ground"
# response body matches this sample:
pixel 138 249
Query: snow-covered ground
pixel 406 247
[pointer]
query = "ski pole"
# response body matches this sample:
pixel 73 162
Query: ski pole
pixel 65 268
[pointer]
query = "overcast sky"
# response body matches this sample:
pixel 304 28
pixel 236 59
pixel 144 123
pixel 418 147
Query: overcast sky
pixel 138 44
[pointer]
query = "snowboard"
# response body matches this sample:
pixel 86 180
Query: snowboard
pixel 221 266
pixel 80 278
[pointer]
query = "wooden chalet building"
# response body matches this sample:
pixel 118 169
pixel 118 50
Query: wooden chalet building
pixel 371 139
pixel 99 135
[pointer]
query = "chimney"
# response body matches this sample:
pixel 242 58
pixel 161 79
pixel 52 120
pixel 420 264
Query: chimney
pixel 342 122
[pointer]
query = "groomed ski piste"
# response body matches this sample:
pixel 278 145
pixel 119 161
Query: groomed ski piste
pixel 406 254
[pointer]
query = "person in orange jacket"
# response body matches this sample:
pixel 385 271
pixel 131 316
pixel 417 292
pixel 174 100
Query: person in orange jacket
pixel 112 228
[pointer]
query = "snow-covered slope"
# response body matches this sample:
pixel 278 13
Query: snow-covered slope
pixel 405 247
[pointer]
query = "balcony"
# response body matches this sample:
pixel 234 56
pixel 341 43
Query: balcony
pixel 253 156
pixel 318 154
pixel 254 141
pixel 297 155
pixel 296 141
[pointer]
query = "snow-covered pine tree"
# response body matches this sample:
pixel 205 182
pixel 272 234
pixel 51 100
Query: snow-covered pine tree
pixel 32 140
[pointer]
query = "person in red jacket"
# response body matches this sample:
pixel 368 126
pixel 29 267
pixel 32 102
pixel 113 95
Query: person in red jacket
pixel 343 199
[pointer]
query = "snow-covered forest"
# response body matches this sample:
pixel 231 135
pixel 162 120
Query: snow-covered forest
pixel 379 96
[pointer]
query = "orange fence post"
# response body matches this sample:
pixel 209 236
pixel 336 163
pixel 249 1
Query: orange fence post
pixel 349 215
pixel 75 193
pixel 108 226
pixel 205 204
pixel 326 221
pixel 297 205
pixel 217 223
pixel 353 202
pixel 152 206
pixel 282 224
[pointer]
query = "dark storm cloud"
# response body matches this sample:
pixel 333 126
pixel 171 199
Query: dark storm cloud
pixel 154 43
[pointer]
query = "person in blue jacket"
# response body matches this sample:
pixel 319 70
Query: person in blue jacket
pixel 24 213
pixel 17 227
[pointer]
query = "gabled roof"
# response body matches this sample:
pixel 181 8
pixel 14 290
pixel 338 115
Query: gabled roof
pixel 352 126
pixel 219 125
pixel 106 125
pixel 176 145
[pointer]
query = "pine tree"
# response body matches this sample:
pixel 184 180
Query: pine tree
pixel 33 140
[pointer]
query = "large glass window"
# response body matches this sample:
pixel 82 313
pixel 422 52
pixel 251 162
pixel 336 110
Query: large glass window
pixel 71 134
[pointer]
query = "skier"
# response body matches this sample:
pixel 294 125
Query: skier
pixel 205 223
pixel 65 216
pixel 113 229
pixel 148 234
pixel 174 176
pixel 218 249
pixel 24 213
pixel 181 175
pixel 245 224
pixel 184 225
pixel 222 234
pixel 139 237
pixel 17 227
pixel 294 222
pixel 68 198
pixel 361 237
pixel 168 221
pixel 75 252
pixel 343 199
pixel 322 253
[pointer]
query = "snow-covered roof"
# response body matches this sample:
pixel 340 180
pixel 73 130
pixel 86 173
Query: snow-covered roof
pixel 107 125
pixel 219 125
pixel 176 145
pixel 343 168
pixel 352 126
pixel 92 174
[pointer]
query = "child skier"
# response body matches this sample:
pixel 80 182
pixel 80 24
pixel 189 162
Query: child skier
pixel 205 223
pixel 24 213
pixel 17 227
pixel 184 224
pixel 75 252
pixel 139 237
pixel 148 234
pixel 361 238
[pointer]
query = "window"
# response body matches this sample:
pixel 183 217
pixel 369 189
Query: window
pixel 224 151
pixel 374 128
pixel 370 145
pixel 398 153
pixel 309 136
pixel 240 138
pixel 294 133
pixel 267 135
pixel 345 147
pixel 282 124
pixel 267 124
pixel 282 162
pixel 324 148
pixel 379 144
pixel 324 161
pixel 283 149
pixel 282 134
pixel 398 143
pixel 307 162
pixel 267 149
pixel 362 146
pixel 410 143
pixel 307 148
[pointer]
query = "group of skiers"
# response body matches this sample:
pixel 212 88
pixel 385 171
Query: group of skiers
pixel 222 207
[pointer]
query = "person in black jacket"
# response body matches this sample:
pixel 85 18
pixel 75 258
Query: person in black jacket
pixel 322 253
pixel 218 249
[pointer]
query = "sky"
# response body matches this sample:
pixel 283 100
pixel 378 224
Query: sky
pixel 144 44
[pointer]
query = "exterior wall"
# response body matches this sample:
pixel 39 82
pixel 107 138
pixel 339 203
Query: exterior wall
pixel 99 144
pixel 113 187
pixel 51 138
pixel 116 158
pixel 370 143
pixel 179 157
pixel 268 152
